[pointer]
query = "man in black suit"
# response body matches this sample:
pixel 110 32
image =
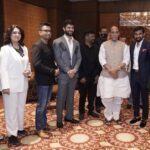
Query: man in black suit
pixel 140 71
pixel 102 38
pixel 88 74
pixel 45 72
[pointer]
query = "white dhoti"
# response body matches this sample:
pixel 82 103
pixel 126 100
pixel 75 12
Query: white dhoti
pixel 109 87
pixel 112 91
pixel 112 108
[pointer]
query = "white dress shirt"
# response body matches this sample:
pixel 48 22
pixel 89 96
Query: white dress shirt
pixel 70 45
pixel 136 55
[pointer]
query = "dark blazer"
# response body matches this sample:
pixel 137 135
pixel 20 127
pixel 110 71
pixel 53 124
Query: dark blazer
pixel 62 56
pixel 144 61
pixel 43 63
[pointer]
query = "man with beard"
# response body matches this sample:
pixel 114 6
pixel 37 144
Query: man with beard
pixel 102 38
pixel 88 74
pixel 113 84
pixel 45 72
pixel 68 59
pixel 140 71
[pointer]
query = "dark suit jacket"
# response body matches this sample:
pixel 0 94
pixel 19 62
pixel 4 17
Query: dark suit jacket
pixel 43 63
pixel 144 62
pixel 62 56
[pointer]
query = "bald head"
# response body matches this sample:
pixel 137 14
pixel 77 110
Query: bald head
pixel 114 28
pixel 114 33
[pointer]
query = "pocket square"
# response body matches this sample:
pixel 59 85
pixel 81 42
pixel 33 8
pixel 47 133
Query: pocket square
pixel 143 50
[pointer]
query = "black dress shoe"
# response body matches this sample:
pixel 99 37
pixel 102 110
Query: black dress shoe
pixel 74 121
pixel 93 114
pixel 22 132
pixel 81 116
pixel 134 120
pixel 143 123
pixel 129 106
pixel 13 141
pixel 60 125
pixel 107 122
pixel 119 122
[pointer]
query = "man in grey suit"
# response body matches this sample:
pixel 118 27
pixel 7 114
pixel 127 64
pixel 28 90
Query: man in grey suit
pixel 68 58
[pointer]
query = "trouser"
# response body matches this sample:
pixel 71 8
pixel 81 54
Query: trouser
pixel 66 88
pixel 98 102
pixel 87 89
pixel 44 95
pixel 139 90
pixel 112 108
pixel 14 105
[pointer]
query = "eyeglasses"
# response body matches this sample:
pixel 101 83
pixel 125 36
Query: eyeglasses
pixel 46 30
pixel 15 32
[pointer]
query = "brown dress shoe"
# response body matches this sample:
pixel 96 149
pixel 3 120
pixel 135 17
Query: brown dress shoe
pixel 42 134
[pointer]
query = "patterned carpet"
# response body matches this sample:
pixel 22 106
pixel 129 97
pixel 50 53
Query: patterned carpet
pixel 90 134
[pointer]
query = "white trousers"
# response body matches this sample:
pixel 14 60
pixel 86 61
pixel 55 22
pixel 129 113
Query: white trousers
pixel 14 106
pixel 112 108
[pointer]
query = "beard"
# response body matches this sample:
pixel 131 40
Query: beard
pixel 68 33
pixel 139 39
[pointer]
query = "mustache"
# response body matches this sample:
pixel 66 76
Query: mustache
pixel 68 33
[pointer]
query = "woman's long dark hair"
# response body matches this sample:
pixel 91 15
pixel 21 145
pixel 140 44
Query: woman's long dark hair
pixel 7 35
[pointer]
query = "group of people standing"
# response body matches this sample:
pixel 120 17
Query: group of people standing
pixel 99 67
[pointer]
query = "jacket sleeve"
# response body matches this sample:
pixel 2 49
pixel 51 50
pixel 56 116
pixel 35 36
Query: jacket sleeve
pixel 57 52
pixel 4 61
pixel 79 58
pixel 98 67
pixel 28 66
pixel 37 61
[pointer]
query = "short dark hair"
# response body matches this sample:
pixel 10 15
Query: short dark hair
pixel 44 24
pixel 88 32
pixel 68 21
pixel 103 27
pixel 7 35
pixel 139 28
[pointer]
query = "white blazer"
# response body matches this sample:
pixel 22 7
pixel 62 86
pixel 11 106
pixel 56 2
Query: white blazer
pixel 12 66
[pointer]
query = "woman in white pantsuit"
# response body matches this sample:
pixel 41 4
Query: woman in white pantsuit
pixel 15 70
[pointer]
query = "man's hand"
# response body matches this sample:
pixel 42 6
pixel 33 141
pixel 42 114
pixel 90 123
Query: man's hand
pixel 82 80
pixel 96 79
pixel 27 73
pixel 113 73
pixel 6 91
pixel 57 72
pixel 71 73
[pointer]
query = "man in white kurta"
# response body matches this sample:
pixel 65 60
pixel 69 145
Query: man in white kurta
pixel 113 84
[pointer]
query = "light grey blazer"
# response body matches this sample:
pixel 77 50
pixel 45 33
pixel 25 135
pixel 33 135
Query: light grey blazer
pixel 63 58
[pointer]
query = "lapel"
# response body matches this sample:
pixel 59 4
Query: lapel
pixel 14 52
pixel 142 46
pixel 74 46
pixel 66 45
pixel 132 51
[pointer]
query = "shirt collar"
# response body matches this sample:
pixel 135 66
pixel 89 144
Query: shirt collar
pixel 140 43
pixel 66 37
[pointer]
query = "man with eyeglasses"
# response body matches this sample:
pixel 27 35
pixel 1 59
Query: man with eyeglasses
pixel 45 72
pixel 113 84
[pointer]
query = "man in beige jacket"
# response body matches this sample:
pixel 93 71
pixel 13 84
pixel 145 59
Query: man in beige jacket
pixel 113 84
